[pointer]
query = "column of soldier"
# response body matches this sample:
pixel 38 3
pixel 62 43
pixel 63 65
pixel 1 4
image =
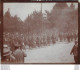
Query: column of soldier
pixel 15 44
pixel 33 42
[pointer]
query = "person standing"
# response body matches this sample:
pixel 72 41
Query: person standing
pixel 75 52
pixel 19 54
pixel 7 55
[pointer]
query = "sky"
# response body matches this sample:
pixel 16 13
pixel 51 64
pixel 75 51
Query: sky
pixel 23 9
pixel 41 67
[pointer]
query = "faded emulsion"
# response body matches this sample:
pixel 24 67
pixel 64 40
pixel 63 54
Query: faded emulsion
pixel 40 33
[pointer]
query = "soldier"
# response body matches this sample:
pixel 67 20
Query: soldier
pixel 48 40
pixel 41 42
pixel 75 36
pixel 64 37
pixel 37 42
pixel 44 41
pixel 71 37
pixel 60 37
pixel 68 37
pixel 32 42
pixel 75 51
pixel 53 39
pixel 19 54
pixel 29 43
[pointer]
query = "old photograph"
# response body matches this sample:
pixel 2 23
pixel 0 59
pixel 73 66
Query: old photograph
pixel 40 33
pixel 39 67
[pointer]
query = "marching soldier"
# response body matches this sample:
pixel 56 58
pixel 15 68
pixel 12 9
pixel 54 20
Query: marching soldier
pixel 44 41
pixel 71 37
pixel 29 43
pixel 48 40
pixel 53 39
pixel 37 42
pixel 41 42
pixel 60 37
pixel 32 42
pixel 68 37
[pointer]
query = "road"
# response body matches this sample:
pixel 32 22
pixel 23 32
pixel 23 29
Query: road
pixel 57 53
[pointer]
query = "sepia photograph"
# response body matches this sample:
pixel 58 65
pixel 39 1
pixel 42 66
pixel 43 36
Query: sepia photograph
pixel 39 67
pixel 41 33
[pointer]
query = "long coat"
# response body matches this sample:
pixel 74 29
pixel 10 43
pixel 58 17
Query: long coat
pixel 75 50
pixel 19 56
